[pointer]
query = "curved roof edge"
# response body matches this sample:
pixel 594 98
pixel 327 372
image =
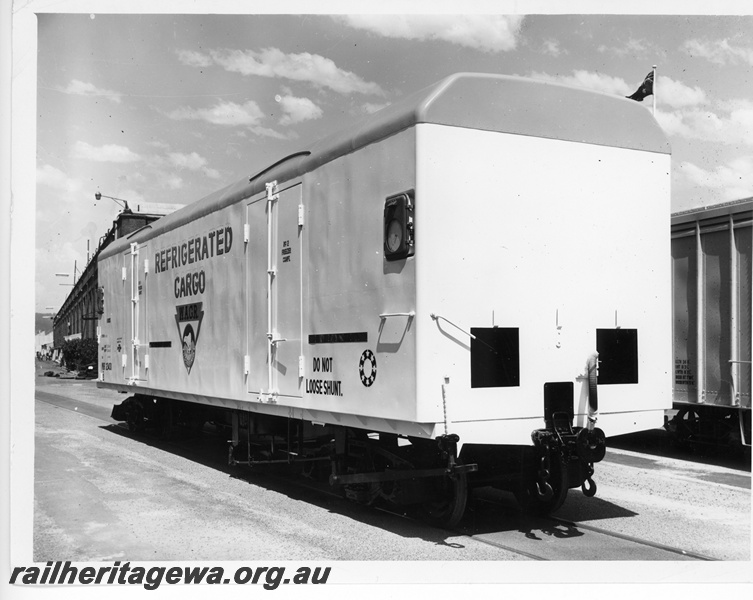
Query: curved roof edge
pixel 489 102
pixel 543 109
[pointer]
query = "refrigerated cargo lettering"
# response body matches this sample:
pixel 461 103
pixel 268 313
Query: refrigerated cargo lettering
pixel 191 284
pixel 214 243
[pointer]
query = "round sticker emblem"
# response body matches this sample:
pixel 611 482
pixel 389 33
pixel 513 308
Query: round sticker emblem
pixel 368 374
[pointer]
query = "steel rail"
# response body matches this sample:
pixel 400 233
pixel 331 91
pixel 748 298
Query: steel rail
pixel 65 403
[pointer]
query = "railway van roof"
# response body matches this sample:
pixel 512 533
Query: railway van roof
pixel 488 102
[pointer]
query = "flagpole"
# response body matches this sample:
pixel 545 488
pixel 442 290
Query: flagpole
pixel 653 96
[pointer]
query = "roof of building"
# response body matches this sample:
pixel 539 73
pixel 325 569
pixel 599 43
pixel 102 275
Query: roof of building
pixel 472 100
pixel 742 208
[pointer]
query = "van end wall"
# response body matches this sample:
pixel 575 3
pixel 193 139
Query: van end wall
pixel 536 234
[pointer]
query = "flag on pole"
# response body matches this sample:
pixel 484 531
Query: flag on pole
pixel 646 89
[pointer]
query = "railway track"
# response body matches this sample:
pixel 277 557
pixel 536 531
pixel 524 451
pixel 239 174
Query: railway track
pixel 492 519
pixel 553 538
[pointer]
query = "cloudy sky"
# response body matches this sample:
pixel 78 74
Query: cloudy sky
pixel 166 108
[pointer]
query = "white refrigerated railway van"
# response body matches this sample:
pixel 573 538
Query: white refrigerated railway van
pixel 444 267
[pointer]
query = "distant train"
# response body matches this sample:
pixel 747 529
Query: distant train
pixel 448 295
pixel 711 274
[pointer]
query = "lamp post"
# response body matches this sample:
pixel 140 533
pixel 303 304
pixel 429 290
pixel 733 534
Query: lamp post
pixel 53 315
pixel 99 196
pixel 75 272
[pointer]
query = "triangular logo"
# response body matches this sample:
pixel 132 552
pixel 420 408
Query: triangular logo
pixel 188 318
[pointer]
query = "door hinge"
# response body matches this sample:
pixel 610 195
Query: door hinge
pixel 246 364
pixel 246 233
pixel 301 368
pixel 146 266
pixel 146 362
pixel 125 273
pixel 272 193
pixel 300 215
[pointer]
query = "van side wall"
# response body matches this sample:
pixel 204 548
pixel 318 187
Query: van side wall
pixel 204 294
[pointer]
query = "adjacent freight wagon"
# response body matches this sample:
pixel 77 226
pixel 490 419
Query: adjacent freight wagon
pixel 448 295
pixel 711 274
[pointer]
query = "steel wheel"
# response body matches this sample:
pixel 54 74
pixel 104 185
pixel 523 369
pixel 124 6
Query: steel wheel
pixel 448 509
pixel 135 417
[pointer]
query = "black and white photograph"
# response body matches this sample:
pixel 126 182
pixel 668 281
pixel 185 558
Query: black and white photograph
pixel 376 297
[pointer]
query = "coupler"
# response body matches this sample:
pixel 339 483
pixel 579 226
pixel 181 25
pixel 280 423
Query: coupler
pixel 566 459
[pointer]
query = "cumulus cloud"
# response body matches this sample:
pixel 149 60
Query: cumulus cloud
pixel 733 128
pixel 670 92
pixel 488 33
pixel 672 123
pixel 231 114
pixel 274 63
pixel 193 58
pixel 678 95
pixel 552 47
pixel 589 80
pixel 223 113
pixel 296 110
pixel 82 88
pixel 172 182
pixel 719 52
pixel 106 153
pixel 731 181
pixel 162 145
pixel 192 162
pixel 735 104
pixel 268 132
pixel 634 48
pixel 55 178
pixel 682 111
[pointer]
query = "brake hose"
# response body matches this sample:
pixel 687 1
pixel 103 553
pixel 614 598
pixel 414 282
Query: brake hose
pixel 592 366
